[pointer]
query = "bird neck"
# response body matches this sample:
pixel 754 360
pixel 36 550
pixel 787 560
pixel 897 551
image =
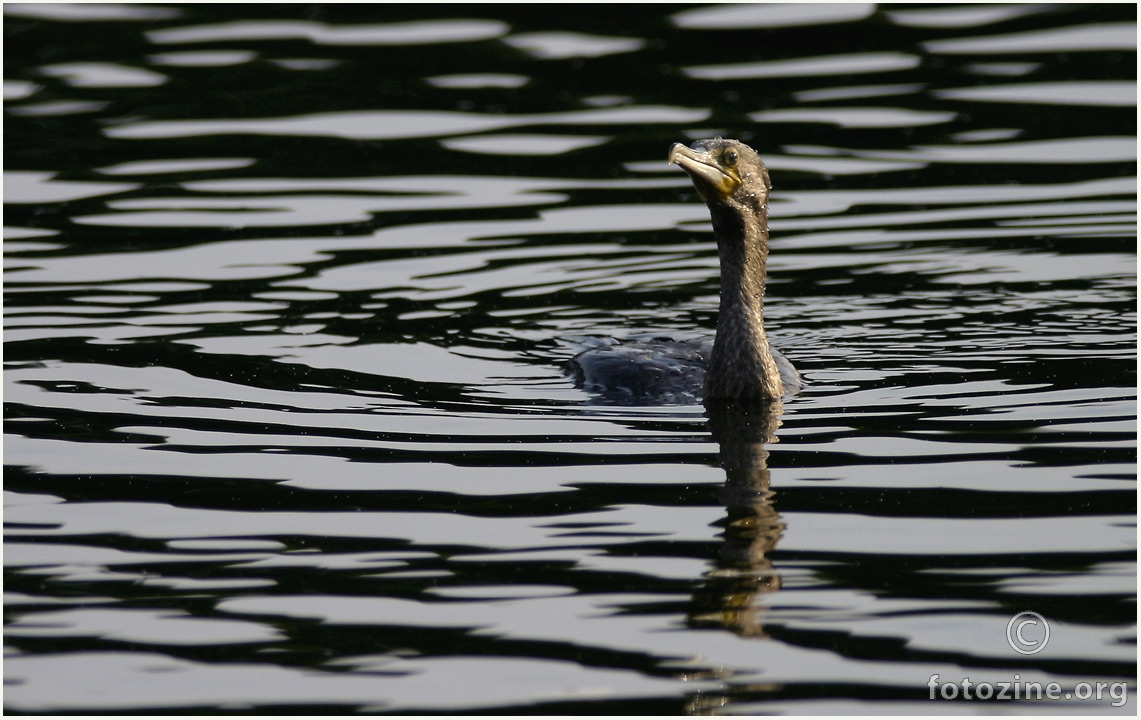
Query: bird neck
pixel 741 364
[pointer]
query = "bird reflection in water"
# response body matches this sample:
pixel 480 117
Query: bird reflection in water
pixel 752 525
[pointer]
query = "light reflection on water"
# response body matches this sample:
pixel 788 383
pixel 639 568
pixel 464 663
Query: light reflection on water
pixel 287 420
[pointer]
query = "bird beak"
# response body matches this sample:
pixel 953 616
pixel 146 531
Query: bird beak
pixel 704 170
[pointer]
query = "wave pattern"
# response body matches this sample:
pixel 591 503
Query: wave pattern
pixel 288 299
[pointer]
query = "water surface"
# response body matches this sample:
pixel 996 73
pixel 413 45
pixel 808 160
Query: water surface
pixel 289 291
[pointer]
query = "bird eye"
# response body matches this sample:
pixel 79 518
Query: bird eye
pixel 730 158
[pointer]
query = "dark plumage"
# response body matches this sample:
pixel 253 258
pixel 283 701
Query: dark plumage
pixel 738 363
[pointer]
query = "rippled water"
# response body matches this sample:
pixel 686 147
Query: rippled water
pixel 289 290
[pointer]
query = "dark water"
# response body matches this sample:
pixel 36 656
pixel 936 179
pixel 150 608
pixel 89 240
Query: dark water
pixel 289 289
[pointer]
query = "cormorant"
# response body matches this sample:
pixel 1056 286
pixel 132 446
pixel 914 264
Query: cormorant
pixel 737 363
